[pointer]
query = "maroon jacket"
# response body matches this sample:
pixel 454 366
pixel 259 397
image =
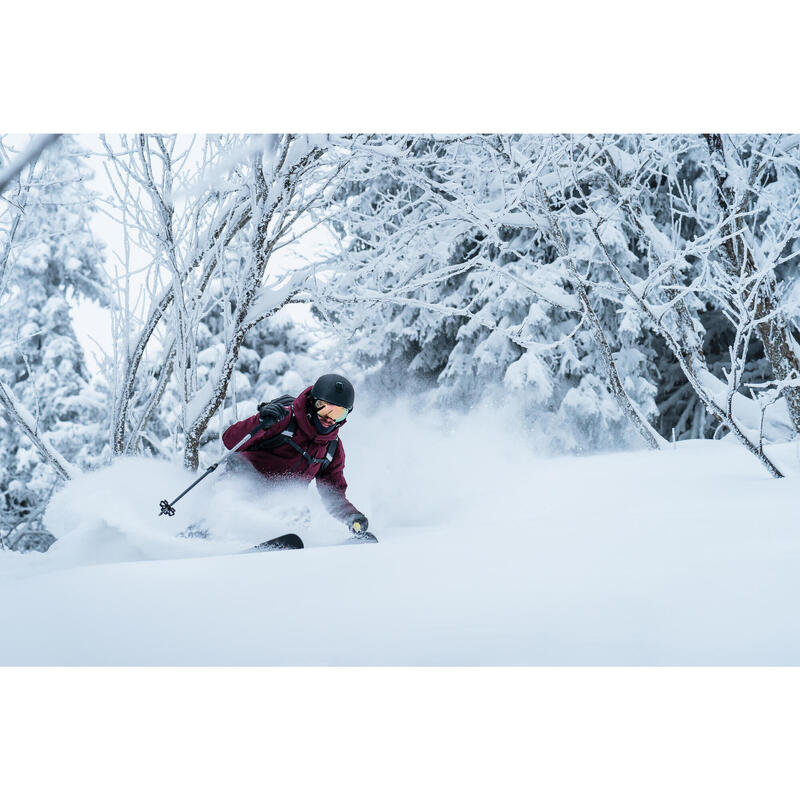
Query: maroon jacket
pixel 284 461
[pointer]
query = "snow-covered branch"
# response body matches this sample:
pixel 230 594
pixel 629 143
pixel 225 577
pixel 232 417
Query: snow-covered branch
pixel 29 155
pixel 20 416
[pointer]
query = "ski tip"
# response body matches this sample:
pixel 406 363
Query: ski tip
pixel 363 538
pixel 289 541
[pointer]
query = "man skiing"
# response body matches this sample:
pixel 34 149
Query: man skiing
pixel 300 441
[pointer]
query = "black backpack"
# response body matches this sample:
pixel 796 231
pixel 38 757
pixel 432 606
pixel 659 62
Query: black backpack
pixel 286 436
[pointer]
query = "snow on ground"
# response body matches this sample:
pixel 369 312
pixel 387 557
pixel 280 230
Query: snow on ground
pixel 490 555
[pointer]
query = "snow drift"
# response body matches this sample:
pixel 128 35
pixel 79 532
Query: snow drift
pixel 488 555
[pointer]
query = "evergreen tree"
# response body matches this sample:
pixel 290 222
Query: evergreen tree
pixel 52 258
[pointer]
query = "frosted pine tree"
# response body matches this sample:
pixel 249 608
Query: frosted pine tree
pixel 50 258
pixel 450 283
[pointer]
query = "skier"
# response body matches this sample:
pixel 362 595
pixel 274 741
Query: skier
pixel 300 441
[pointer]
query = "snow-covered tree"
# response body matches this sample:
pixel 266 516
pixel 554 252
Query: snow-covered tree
pixel 210 220
pixel 438 234
pixel 465 256
pixel 673 272
pixel 56 414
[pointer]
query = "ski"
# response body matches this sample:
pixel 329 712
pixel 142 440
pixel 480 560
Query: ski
pixel 362 538
pixel 289 541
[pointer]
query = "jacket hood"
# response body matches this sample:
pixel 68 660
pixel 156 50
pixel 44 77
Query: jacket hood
pixel 304 423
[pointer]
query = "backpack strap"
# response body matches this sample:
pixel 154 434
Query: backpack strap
pixel 330 453
pixel 286 436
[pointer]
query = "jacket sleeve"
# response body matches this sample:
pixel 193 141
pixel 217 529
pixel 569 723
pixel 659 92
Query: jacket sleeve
pixel 236 432
pixel 332 487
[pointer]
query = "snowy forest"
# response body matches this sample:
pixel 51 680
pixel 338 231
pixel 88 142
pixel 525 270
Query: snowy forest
pixel 608 292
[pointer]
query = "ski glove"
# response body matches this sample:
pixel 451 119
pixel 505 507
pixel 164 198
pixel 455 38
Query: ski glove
pixel 270 413
pixel 358 524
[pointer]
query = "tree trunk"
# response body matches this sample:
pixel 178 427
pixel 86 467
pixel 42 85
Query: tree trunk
pixel 17 413
pixel 689 366
pixel 614 384
pixel 779 344
pixel 267 205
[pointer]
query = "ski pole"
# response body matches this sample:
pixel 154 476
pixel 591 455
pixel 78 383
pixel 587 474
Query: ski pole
pixel 169 508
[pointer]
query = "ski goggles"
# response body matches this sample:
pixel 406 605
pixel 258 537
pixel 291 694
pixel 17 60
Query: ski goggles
pixel 336 413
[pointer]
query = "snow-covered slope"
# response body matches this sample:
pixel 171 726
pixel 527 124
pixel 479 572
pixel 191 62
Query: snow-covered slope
pixel 488 555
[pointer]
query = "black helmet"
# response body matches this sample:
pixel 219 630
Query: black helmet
pixel 334 389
